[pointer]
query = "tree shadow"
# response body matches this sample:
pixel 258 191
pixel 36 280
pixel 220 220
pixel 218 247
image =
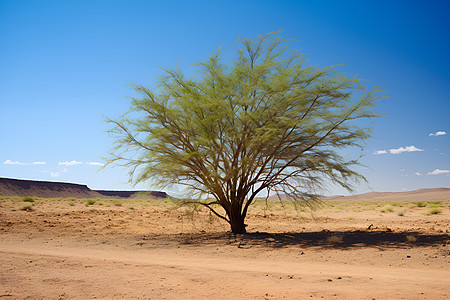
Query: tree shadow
pixel 321 239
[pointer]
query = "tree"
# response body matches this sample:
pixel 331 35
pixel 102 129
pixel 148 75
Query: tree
pixel 267 122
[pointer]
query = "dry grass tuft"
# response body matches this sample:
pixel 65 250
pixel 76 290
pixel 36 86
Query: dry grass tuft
pixel 387 208
pixel 335 239
pixel 434 211
pixel 411 239
pixel 27 207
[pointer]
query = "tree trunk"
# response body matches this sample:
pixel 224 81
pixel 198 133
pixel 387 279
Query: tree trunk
pixel 237 220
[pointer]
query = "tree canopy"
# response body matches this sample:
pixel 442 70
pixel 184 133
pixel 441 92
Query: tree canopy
pixel 265 122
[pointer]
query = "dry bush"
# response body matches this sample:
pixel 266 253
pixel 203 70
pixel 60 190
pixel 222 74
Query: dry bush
pixel 335 239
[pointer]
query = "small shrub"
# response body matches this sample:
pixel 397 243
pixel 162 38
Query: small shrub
pixel 90 202
pixel 335 239
pixel 401 213
pixel 387 208
pixel 28 199
pixel 28 207
pixel 411 239
pixel 434 211
pixel 420 204
pixel 72 203
pixel 117 203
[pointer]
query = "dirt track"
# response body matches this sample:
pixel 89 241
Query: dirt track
pixel 152 252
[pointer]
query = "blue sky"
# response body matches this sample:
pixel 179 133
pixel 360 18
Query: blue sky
pixel 64 67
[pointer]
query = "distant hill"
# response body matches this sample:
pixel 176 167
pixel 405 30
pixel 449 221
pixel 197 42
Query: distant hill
pixel 431 194
pixel 50 189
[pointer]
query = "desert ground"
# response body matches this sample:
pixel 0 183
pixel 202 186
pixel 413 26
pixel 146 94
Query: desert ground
pixel 383 247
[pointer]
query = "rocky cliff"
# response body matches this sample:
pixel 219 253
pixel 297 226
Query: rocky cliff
pixel 50 189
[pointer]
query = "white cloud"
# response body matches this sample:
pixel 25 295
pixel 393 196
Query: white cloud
pixel 10 162
pixel 438 133
pixel 52 174
pixel 398 150
pixel 19 163
pixel 405 149
pixel 380 152
pixel 418 173
pixel 69 163
pixel 438 171
pixel 94 163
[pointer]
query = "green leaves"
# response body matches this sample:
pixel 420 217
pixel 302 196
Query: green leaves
pixel 266 122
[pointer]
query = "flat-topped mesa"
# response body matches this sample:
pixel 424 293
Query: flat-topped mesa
pixel 50 189
pixel 46 189
pixel 134 194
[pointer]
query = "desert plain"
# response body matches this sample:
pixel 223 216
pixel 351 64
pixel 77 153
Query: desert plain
pixel 372 246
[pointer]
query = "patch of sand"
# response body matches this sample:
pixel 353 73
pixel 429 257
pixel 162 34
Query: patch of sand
pixel 146 250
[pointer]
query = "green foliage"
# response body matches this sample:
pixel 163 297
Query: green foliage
pixel 27 207
pixel 117 203
pixel 266 122
pixel 90 202
pixel 28 199
pixel 387 208
pixel 434 211
pixel 420 204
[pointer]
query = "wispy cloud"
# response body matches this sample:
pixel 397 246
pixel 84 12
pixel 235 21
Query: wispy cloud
pixel 398 150
pixel 52 174
pixel 19 163
pixel 438 171
pixel 418 173
pixel 378 152
pixel 94 163
pixel 69 163
pixel 405 149
pixel 10 162
pixel 438 133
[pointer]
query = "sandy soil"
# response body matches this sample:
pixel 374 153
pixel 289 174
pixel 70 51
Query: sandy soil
pixel 68 249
